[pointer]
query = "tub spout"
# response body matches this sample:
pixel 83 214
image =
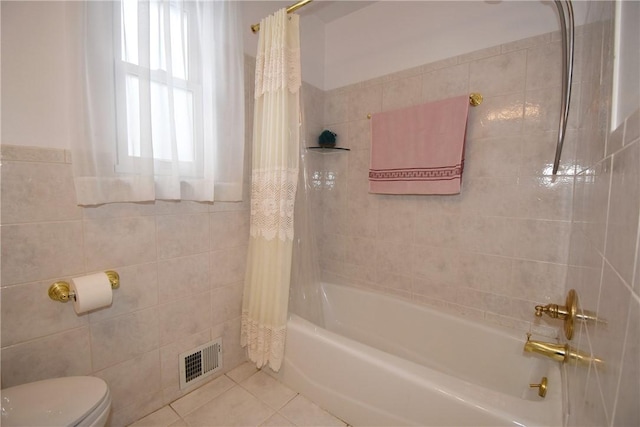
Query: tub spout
pixel 559 352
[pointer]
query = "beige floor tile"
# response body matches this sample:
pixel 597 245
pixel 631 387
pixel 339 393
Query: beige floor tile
pixel 303 412
pixel 267 389
pixel 277 420
pixel 236 407
pixel 163 417
pixel 202 395
pixel 242 372
pixel 179 423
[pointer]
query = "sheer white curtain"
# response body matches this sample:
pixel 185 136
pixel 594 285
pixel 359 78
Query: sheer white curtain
pixel 163 102
pixel 276 134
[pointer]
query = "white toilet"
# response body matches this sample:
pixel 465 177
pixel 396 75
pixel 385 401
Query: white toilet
pixel 67 401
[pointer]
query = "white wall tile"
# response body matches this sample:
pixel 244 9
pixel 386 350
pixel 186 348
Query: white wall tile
pixel 446 82
pixel 181 277
pixel 401 93
pixel 57 355
pixel 124 337
pixel 229 229
pixel 184 316
pixel 500 116
pixel 591 202
pixel 112 242
pixel 493 157
pixel 544 69
pixel 29 313
pixel 542 240
pixel 335 109
pixel 182 235
pixel 33 192
pixel 132 381
pixel 363 101
pixel 228 266
pixel 42 250
pixel 545 197
pixel 624 205
pixel 608 339
pixel 500 74
pixel 627 410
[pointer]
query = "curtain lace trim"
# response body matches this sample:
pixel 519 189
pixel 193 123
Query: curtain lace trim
pixel 273 193
pixel 265 344
pixel 276 69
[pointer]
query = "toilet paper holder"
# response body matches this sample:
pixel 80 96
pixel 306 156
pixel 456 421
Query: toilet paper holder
pixel 60 291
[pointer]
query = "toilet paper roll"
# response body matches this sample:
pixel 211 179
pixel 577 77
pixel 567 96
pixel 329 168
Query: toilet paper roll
pixel 91 292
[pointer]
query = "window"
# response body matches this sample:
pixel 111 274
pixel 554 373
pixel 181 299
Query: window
pixel 158 65
pixel 163 99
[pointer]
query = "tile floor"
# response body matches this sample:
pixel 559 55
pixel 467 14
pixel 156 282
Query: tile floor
pixel 242 397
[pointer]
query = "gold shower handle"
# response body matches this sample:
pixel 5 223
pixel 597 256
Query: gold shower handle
pixel 568 312
pixel 542 387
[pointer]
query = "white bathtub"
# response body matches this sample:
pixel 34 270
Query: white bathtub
pixel 384 361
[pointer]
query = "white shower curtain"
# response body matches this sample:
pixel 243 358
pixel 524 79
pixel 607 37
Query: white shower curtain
pixel 274 178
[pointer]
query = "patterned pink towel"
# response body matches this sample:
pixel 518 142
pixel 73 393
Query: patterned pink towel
pixel 419 150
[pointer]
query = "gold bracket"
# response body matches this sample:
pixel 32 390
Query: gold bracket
pixel 114 278
pixel 60 291
pixel 542 387
pixel 475 99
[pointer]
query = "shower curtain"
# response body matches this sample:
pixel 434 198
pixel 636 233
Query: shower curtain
pixel 274 178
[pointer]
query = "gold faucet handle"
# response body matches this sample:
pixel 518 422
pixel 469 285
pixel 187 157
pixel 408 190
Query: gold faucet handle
pixel 542 387
pixel 553 310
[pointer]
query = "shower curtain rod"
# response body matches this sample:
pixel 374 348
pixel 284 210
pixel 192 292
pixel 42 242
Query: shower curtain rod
pixel 256 27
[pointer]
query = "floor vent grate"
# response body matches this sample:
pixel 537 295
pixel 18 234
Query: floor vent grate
pixel 200 362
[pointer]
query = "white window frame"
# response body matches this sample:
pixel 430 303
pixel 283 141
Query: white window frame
pixel 129 164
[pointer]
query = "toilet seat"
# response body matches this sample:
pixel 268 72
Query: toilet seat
pixel 67 401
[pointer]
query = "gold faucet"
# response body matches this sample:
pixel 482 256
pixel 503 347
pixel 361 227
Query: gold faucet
pixel 568 312
pixel 559 352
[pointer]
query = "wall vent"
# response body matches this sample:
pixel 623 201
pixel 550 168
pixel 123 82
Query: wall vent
pixel 200 362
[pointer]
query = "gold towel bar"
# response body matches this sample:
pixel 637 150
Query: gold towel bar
pixel 475 99
pixel 290 9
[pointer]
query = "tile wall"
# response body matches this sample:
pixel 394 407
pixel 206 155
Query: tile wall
pixel 181 266
pixel 515 236
pixel 603 252
pixel 501 246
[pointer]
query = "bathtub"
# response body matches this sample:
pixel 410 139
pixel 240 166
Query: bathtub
pixel 385 361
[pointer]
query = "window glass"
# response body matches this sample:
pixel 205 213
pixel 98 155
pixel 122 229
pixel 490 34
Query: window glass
pixel 168 23
pixel 133 116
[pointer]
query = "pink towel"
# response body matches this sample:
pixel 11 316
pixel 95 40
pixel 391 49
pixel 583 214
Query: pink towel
pixel 419 150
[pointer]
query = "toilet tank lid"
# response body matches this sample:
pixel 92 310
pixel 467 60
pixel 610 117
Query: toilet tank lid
pixel 54 402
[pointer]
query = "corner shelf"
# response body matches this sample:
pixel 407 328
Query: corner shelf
pixel 328 149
